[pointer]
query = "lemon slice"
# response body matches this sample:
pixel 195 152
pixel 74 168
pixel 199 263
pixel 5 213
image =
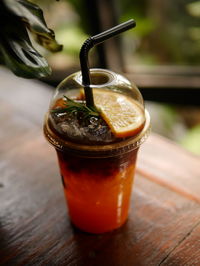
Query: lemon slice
pixel 124 116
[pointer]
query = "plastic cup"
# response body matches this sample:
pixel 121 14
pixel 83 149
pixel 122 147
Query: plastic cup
pixel 97 179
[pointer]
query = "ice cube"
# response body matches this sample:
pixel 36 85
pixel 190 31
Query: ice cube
pixel 92 130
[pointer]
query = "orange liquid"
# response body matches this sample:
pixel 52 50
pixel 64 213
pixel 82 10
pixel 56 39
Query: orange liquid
pixel 97 190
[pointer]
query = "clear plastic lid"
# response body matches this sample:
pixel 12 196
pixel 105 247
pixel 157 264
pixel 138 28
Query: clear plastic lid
pixel 100 79
pixel 72 132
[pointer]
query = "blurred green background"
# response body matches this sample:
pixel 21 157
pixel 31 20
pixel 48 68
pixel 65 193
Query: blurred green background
pixel 167 32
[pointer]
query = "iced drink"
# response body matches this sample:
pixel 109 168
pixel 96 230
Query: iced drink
pixel 97 154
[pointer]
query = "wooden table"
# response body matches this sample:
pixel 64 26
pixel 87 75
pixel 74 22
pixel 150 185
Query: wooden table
pixel 164 222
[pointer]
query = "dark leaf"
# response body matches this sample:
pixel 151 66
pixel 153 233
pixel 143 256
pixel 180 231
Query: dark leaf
pixel 18 54
pixel 32 15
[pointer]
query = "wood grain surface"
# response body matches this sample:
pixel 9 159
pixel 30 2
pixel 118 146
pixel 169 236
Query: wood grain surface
pixel 164 222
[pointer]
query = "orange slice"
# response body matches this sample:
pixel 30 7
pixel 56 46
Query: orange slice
pixel 124 116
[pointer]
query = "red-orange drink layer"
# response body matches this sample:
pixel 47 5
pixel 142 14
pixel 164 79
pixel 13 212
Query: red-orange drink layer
pixel 97 190
pixel 96 165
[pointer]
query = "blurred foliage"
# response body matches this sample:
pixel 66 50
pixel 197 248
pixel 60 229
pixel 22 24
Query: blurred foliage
pixel 138 11
pixel 70 24
pixel 191 140
pixel 167 30
pixel 72 37
pixel 81 9
pixel 194 9
pixel 166 121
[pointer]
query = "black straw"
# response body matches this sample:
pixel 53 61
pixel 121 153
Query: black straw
pixel 91 42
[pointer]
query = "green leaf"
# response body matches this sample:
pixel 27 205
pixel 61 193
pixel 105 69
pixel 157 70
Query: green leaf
pixel 16 50
pixel 19 55
pixel 29 65
pixel 33 17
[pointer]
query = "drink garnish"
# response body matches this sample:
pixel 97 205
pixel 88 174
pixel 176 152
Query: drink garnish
pixel 123 115
pixel 77 107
